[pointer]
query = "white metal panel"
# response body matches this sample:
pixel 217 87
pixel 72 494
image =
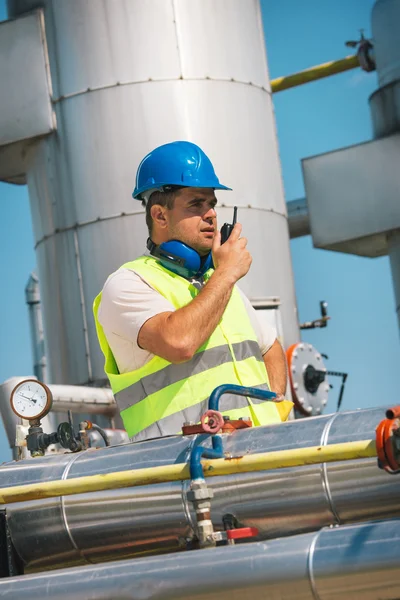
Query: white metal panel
pixel 25 87
pixel 228 40
pixel 385 109
pixel 62 310
pixel 385 33
pixel 104 247
pixel 271 271
pixel 46 189
pixel 102 43
pixel 353 194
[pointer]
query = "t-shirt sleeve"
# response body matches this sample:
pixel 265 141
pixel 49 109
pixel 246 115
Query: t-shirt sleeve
pixel 127 302
pixel 266 334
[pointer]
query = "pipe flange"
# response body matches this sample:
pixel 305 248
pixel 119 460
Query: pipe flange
pixel 308 379
pixel 387 442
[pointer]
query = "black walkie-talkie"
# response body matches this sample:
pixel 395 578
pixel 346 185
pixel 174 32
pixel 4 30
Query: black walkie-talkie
pixel 227 228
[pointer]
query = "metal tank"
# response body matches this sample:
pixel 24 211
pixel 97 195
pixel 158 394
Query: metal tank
pixel 126 77
pixel 116 524
pixel 385 33
pixel 358 562
pixel 385 102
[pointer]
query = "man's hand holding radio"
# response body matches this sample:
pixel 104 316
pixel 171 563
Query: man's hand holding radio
pixel 232 259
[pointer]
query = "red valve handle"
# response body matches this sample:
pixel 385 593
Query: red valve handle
pixel 243 532
pixel 215 421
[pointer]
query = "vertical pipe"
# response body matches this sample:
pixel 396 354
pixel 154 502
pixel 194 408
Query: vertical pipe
pixel 32 296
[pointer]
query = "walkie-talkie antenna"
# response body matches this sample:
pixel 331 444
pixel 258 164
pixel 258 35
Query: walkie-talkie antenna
pixel 234 215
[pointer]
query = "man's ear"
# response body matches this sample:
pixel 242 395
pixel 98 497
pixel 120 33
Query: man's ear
pixel 157 213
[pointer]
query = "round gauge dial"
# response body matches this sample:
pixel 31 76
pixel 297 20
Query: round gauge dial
pixel 31 399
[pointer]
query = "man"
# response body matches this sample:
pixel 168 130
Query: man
pixel 172 324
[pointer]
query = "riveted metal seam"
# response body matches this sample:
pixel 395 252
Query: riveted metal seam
pixel 64 476
pixel 324 471
pixel 186 485
pixel 158 80
pixel 76 226
pixel 310 565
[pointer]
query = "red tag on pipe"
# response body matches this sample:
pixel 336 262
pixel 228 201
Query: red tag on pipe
pixel 244 532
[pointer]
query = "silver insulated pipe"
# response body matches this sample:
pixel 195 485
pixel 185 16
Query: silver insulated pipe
pixel 358 562
pixel 116 524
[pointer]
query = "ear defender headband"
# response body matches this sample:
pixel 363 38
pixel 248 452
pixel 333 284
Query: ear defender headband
pixel 180 258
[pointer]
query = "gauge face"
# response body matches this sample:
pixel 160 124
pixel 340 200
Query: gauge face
pixel 31 399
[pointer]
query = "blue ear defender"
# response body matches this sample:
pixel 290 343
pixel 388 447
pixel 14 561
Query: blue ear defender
pixel 180 258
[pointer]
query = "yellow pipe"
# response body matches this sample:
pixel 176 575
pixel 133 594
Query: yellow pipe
pixel 314 73
pixel 212 468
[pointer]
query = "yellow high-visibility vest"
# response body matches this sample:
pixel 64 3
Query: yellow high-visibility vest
pixel 156 399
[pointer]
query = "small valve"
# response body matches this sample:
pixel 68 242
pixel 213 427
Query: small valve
pixel 67 439
pixel 212 421
pixel 235 534
pixel 243 532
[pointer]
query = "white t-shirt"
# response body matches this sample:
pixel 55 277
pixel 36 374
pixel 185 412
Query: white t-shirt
pixel 128 301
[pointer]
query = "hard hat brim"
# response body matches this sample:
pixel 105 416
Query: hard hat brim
pixel 138 191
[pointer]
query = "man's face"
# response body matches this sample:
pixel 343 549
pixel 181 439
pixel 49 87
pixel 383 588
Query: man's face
pixel 193 219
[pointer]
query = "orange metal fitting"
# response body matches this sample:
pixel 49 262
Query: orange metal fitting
pixel 385 443
pixel 393 413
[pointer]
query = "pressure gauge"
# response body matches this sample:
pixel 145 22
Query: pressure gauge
pixel 31 399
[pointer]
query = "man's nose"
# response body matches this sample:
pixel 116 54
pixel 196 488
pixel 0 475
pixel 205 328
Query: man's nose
pixel 210 214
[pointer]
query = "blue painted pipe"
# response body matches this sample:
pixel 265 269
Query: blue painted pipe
pixel 213 402
pixel 196 469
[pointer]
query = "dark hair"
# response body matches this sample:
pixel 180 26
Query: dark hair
pixel 166 198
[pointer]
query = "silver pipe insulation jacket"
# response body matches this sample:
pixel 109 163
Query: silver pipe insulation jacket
pixel 117 524
pixel 358 562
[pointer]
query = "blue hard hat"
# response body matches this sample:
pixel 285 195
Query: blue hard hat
pixel 178 163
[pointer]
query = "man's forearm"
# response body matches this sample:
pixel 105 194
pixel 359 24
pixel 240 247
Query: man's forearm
pixel 197 320
pixel 176 336
pixel 275 363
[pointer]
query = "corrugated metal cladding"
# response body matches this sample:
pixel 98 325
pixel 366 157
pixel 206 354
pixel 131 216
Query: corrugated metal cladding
pixel 128 76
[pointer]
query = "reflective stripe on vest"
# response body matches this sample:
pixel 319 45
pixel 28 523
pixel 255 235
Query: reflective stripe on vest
pixel 201 361
pixel 157 398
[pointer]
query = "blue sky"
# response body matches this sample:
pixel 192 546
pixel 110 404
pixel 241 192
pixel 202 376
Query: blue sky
pixel 362 336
